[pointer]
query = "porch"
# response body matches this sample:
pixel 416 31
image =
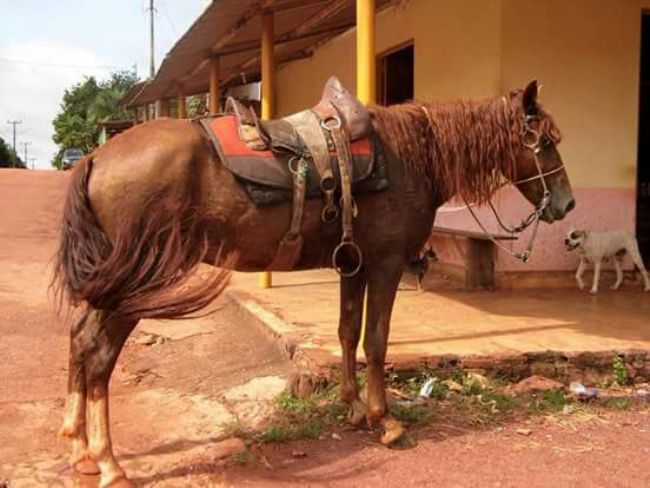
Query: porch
pixel 562 333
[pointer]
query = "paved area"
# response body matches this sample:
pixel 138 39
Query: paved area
pixel 445 320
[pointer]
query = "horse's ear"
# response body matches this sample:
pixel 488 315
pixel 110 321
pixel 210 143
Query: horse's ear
pixel 530 97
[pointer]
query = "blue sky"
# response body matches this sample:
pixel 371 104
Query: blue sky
pixel 48 45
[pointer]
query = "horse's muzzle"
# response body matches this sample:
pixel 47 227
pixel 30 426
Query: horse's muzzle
pixel 558 210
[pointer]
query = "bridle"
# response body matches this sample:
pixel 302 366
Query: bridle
pixel 532 140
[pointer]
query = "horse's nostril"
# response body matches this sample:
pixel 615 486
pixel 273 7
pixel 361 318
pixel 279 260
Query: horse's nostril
pixel 570 206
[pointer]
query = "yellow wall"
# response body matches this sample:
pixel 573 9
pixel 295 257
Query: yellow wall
pixel 457 53
pixel 584 52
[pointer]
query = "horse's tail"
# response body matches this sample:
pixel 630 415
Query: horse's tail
pixel 148 270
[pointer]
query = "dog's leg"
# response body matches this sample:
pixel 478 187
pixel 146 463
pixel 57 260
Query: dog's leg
pixel 619 273
pixel 597 265
pixel 580 272
pixel 635 254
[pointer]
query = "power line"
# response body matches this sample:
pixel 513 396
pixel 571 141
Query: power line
pixel 14 123
pixel 25 145
pixel 165 11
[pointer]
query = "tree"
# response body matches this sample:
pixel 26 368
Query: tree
pixel 8 158
pixel 87 104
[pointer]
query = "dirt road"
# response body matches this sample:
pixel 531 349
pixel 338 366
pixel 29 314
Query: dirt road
pixel 175 387
pixel 178 389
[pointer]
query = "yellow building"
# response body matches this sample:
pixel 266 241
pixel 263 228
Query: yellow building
pixel 586 53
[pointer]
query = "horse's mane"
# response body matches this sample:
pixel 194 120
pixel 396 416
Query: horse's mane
pixel 464 148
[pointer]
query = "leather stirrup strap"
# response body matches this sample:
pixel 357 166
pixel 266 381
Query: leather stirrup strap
pixel 308 126
pixel 347 258
pixel 290 247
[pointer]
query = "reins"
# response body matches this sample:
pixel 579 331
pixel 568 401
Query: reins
pixel 531 139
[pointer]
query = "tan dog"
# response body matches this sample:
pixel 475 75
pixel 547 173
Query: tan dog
pixel 596 247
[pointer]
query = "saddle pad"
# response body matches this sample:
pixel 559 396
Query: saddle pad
pixel 266 175
pixel 271 167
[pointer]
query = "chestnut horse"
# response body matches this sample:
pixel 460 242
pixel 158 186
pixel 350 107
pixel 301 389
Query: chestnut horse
pixel 144 210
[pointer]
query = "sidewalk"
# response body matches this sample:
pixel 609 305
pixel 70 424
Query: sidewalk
pixel 551 331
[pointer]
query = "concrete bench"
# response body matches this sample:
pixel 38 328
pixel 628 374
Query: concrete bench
pixel 479 255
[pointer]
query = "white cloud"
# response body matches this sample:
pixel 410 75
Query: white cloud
pixel 31 90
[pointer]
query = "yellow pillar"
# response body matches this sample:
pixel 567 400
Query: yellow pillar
pixel 366 80
pixel 268 95
pixel 268 66
pixel 366 64
pixel 182 103
pixel 215 95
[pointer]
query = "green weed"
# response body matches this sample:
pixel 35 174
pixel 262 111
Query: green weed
pixel 620 371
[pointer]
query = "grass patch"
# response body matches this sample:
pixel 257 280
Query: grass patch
pixel 471 387
pixel 293 432
pixel 498 402
pixel 413 414
pixel 298 418
pixel 619 403
pixel 294 405
pixel 621 373
pixel 549 401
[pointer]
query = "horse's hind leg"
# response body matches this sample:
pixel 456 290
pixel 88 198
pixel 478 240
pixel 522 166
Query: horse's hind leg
pixel 351 303
pixel 95 344
pixel 74 422
pixel 383 282
pixel 99 363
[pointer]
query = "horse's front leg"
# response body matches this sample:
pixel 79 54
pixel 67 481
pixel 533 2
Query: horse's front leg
pixel 383 281
pixel 351 313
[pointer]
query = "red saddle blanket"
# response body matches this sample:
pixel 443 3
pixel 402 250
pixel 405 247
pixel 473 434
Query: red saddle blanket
pixel 266 175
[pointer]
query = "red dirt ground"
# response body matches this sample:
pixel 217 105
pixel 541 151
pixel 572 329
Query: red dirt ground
pixel 610 450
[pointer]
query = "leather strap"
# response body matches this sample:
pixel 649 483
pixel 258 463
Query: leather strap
pixel 347 258
pixel 290 247
pixel 247 124
pixel 308 127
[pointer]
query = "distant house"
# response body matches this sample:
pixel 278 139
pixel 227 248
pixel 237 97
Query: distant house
pixel 112 128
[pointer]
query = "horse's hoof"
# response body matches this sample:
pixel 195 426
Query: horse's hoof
pixel 86 467
pixel 121 483
pixel 357 414
pixel 393 430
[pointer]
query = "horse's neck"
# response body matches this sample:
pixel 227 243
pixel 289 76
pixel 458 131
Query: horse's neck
pixel 471 146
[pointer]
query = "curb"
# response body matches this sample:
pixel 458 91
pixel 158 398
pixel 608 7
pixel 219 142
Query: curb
pixel 278 330
pixel 589 367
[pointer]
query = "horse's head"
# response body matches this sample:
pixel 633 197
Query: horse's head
pixel 540 173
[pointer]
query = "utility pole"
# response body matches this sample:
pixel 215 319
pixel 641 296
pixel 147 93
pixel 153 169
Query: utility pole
pixel 14 123
pixel 25 144
pixel 152 16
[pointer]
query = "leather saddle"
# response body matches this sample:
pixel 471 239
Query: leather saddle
pixel 328 151
pixel 274 134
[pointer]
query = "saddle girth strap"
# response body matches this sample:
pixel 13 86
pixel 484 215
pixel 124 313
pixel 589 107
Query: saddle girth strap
pixel 290 247
pixel 308 126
